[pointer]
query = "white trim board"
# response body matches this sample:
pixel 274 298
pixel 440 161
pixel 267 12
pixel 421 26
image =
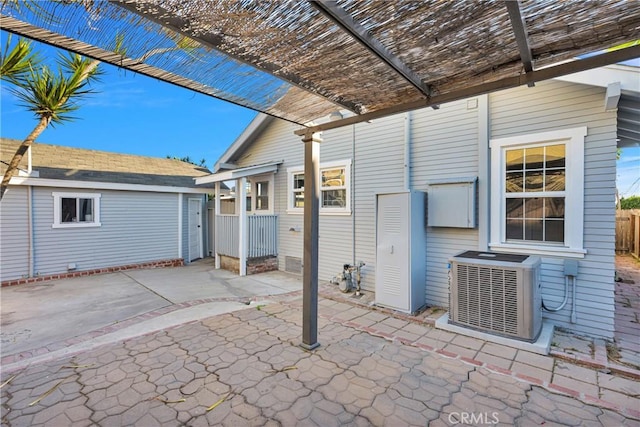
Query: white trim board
pixel 62 183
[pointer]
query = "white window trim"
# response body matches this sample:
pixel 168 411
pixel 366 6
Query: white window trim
pixel 574 193
pixel 57 205
pixel 346 164
pixel 254 193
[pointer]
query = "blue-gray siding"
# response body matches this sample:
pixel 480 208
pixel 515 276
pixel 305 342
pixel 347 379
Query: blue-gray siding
pixel 14 237
pixel 136 227
pixel 559 105
pixel 445 144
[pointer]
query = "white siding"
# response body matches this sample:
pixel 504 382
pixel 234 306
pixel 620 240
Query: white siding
pixel 557 105
pixel 14 237
pixel 136 227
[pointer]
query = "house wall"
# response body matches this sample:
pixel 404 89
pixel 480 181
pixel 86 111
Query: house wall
pixel 557 105
pixel 136 227
pixel 445 144
pixel 444 147
pixel 14 240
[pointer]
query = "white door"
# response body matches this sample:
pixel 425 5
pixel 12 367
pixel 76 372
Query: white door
pixel 392 251
pixel 195 229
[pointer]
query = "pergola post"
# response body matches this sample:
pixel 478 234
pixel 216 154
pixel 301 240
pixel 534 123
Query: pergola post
pixel 310 255
pixel 241 192
pixel 215 224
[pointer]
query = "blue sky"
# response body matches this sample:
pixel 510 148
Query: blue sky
pixel 134 114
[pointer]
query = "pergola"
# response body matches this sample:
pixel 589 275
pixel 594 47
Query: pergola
pixel 301 60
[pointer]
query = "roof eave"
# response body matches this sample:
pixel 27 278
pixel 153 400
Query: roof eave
pixel 248 135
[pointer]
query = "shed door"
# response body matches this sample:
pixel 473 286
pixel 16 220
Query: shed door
pixel 195 229
pixel 392 251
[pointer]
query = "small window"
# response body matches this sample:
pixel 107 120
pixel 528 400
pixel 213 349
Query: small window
pixel 262 196
pixel 298 190
pixel 76 210
pixel 334 188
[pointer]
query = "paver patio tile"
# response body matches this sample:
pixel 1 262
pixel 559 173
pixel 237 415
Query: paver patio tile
pixel 440 335
pixel 353 378
pixel 576 372
pixel 623 400
pixel 394 323
pixel 408 336
pixel 534 359
pixel 376 316
pixel 501 351
pixel 462 351
pixel 619 384
pixel 531 371
pixel 493 360
pixel 468 342
pixel 573 384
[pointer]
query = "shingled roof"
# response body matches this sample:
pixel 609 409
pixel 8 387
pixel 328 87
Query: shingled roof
pixel 78 164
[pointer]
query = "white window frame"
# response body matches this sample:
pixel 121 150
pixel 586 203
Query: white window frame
pixel 574 193
pixel 346 164
pixel 57 210
pixel 254 180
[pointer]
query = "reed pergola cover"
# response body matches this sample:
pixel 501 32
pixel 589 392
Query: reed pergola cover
pixel 301 60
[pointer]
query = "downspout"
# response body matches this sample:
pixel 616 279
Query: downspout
pixel 30 227
pixel 407 151
pixel 353 193
pixel 179 225
pixel 215 224
pixel 484 186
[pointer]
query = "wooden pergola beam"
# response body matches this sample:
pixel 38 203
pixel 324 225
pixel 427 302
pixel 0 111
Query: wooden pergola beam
pixel 341 18
pixel 589 63
pixel 520 32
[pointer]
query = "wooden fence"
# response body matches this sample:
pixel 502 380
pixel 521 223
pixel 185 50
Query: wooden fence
pixel 628 231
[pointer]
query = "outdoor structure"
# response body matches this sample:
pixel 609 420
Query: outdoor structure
pixel 73 211
pixel 567 129
pixel 302 60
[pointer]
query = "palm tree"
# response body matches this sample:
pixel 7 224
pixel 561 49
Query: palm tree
pixel 50 95
pixel 16 62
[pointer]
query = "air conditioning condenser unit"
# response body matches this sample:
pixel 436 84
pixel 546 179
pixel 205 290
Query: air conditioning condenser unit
pixel 496 293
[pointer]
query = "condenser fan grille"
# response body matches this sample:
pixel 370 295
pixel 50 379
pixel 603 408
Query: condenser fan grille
pixel 488 298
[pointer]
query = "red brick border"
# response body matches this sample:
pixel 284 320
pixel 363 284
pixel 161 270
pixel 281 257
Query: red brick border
pixel 177 262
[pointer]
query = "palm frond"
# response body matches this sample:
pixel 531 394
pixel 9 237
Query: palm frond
pixel 52 95
pixel 16 62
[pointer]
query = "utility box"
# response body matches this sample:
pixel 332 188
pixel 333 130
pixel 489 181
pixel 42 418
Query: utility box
pixel 400 251
pixel 452 203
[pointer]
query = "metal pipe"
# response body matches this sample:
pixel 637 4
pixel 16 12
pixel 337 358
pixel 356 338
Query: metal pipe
pixel 574 284
pixel 407 151
pixel 30 230
pixel 353 193
pixel 566 297
pixel 180 220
